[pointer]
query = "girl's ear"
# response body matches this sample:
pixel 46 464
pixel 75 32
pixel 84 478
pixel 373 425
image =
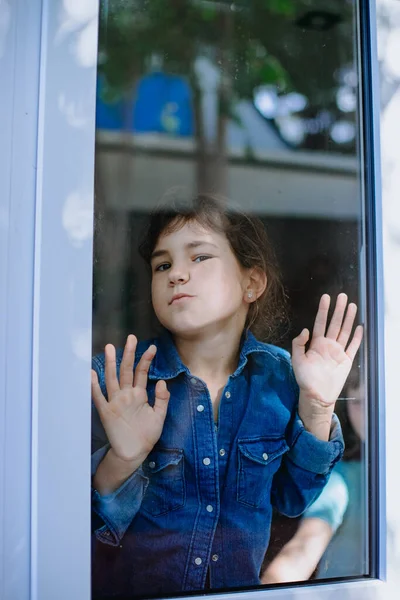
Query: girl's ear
pixel 257 283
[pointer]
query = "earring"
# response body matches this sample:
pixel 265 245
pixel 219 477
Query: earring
pixel 249 295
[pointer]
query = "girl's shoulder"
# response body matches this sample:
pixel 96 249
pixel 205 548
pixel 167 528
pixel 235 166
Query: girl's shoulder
pixel 270 352
pixel 268 358
pixel 277 352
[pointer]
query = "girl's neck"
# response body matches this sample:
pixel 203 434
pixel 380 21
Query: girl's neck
pixel 211 358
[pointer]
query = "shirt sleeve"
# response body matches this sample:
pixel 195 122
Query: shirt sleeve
pixel 311 453
pixel 306 467
pixel 116 510
pixel 112 514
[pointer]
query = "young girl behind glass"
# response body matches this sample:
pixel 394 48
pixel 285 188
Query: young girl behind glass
pixel 197 434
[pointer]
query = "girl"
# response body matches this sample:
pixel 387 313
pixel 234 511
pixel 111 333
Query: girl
pixel 200 432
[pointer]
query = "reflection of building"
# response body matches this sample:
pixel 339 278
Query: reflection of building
pixel 283 183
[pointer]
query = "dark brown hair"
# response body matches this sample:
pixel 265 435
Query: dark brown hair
pixel 354 446
pixel 249 242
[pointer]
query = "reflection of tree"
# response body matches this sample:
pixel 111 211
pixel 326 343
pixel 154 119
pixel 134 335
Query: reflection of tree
pixel 137 33
pixel 250 43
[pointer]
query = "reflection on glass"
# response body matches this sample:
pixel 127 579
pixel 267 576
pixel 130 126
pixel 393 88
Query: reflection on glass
pixel 234 127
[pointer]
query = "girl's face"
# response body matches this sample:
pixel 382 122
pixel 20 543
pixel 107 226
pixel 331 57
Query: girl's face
pixel 356 410
pixel 198 285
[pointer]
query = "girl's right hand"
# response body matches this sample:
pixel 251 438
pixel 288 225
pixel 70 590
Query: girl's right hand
pixel 131 424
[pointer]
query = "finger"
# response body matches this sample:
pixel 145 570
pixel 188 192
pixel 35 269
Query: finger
pixel 128 360
pixel 322 316
pixel 299 344
pixel 347 326
pixel 112 384
pixel 143 366
pixel 337 318
pixel 97 396
pixel 355 342
pixel 162 396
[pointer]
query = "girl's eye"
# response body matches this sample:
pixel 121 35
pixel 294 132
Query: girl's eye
pixel 201 258
pixel 162 267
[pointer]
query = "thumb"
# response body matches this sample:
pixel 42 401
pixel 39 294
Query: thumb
pixel 299 344
pixel 162 396
pixel 97 396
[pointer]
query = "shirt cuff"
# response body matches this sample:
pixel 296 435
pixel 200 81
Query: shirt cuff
pixel 117 509
pixel 312 454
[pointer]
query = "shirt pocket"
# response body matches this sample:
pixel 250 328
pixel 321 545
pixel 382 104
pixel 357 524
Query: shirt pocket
pixel 259 459
pixel 166 491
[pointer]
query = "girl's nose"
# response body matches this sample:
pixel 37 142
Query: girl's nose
pixel 178 275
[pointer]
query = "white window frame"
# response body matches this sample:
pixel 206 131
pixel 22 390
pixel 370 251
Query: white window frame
pixel 47 125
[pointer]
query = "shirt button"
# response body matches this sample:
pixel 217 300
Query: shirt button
pixel 265 456
pixel 206 461
pixel 209 508
pixel 152 464
pixel 193 380
pixel 227 394
pixel 200 408
pixel 198 561
pixel 222 452
pixel 214 557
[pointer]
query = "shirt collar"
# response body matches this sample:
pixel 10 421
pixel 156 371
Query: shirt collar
pixel 167 363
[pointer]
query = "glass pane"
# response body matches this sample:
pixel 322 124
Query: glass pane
pixel 229 204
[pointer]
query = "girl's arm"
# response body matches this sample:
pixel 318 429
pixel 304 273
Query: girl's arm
pixel 321 370
pixel 124 430
pixel 112 472
pixel 314 434
pixel 132 426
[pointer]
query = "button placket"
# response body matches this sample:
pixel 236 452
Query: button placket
pixel 207 475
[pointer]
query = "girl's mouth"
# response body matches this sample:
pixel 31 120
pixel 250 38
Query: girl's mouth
pixel 180 298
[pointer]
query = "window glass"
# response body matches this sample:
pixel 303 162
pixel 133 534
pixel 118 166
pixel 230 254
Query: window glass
pixel 228 205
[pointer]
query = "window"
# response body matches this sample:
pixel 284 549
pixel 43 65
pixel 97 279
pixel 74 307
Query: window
pixel 278 121
pixel 258 106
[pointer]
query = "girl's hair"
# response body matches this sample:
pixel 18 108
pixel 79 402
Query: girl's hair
pixel 354 446
pixel 249 242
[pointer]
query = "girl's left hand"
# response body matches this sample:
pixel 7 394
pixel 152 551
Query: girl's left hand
pixel 321 372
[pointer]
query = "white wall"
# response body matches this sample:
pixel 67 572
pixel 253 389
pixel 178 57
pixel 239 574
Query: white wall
pixel 389 55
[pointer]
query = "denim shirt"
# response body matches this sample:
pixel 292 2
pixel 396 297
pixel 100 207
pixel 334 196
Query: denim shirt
pixel 197 513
